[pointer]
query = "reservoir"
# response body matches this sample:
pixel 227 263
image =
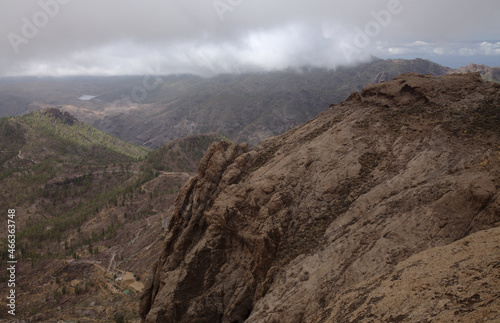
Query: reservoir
pixel 86 97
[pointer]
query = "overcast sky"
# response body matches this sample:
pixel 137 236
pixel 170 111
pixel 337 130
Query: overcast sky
pixel 109 37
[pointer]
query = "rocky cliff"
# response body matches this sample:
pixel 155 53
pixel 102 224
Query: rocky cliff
pixel 487 72
pixel 383 207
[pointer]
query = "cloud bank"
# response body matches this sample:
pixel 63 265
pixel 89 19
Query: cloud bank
pixel 91 37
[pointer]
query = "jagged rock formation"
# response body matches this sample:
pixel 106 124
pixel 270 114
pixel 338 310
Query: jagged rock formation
pixel 64 116
pixel 337 218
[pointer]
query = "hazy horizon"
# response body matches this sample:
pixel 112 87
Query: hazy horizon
pixel 455 63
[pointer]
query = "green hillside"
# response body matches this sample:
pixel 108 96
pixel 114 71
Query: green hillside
pixel 11 138
pixel 78 195
pixel 62 135
pixel 60 174
pixel 52 165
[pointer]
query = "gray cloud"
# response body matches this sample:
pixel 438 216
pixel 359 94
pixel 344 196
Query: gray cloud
pixel 61 37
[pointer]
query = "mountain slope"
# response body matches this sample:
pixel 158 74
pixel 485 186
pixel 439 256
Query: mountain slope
pixel 461 286
pixel 282 231
pixel 248 107
pixel 52 135
pixel 52 145
pixel 79 195
pixel 243 107
pixel 62 133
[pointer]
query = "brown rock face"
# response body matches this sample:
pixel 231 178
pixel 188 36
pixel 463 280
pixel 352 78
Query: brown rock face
pixel 62 115
pixel 445 284
pixel 284 231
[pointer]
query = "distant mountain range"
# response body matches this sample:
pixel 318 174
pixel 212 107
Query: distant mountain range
pixel 152 110
pixel 488 73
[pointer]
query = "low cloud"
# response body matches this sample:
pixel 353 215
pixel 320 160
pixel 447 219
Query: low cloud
pixel 62 37
pixel 450 49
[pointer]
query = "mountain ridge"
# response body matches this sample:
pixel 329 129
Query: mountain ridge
pixel 244 107
pixel 487 72
pixel 253 107
pixel 279 231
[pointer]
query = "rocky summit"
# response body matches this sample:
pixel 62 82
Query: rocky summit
pixel 384 207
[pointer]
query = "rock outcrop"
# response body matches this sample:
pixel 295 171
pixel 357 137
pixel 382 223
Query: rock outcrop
pixel 64 116
pixel 488 73
pixel 338 218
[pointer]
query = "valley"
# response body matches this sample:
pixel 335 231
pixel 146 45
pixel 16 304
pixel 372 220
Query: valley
pixel 248 107
pixel 235 161
pixel 305 195
pixel 89 213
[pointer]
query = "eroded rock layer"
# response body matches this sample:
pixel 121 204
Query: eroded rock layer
pixel 320 223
